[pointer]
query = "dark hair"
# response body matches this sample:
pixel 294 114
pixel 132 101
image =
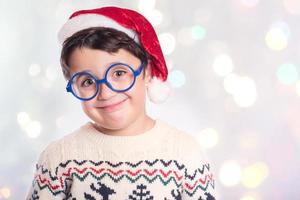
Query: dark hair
pixel 101 38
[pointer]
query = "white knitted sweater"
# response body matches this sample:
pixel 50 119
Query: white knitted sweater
pixel 163 163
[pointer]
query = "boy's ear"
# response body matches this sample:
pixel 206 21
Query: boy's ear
pixel 148 74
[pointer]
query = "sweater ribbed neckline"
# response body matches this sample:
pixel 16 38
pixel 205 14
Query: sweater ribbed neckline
pixel 101 138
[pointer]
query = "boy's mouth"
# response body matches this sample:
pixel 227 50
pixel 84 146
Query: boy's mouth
pixel 113 107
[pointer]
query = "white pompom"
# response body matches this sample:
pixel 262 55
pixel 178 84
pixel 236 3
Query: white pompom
pixel 158 91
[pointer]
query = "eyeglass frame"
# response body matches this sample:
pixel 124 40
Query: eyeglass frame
pixel 104 80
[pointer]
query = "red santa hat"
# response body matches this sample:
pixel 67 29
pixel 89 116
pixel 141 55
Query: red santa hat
pixel 135 26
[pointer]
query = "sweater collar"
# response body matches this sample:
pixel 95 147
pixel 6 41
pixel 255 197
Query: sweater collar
pixel 95 135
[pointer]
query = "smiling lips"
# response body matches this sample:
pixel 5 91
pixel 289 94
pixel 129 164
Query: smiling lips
pixel 113 107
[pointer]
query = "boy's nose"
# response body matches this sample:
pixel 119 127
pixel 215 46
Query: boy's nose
pixel 105 92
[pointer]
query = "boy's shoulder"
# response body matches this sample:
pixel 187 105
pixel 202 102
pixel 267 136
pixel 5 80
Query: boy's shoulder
pixel 54 152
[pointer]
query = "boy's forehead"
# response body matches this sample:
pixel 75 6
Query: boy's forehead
pixel 85 57
pixel 98 61
pixel 98 70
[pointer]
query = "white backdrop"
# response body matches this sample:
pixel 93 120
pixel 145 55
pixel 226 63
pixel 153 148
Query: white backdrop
pixel 234 69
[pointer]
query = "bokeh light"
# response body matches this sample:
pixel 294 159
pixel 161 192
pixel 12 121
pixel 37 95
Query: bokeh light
pixel 167 42
pixel 155 17
pixel 243 89
pixel 34 69
pixel 23 119
pixel 223 65
pixel 208 137
pixel 5 193
pixel 31 127
pixel 287 73
pixel 254 175
pixel 246 94
pixel 230 173
pixel 177 78
pixel 147 8
pixel 277 37
pixel 198 32
pixel 189 36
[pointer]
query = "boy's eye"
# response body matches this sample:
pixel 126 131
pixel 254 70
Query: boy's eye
pixel 87 82
pixel 119 73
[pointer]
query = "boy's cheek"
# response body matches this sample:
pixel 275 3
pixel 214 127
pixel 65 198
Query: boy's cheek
pixel 85 104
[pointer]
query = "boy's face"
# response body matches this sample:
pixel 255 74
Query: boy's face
pixel 111 110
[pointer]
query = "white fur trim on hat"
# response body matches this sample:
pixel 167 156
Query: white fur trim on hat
pixel 158 91
pixel 85 21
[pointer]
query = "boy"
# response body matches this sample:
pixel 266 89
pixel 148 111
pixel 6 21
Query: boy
pixel 111 58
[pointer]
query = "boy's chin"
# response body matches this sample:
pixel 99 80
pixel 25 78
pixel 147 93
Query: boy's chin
pixel 119 123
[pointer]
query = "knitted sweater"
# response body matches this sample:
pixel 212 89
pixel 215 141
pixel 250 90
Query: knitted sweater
pixel 162 163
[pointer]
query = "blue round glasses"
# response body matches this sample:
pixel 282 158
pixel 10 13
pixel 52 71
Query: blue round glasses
pixel 119 77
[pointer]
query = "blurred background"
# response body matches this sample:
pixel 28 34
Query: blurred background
pixel 234 70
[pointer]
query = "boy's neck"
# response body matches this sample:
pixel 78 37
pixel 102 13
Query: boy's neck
pixel 139 126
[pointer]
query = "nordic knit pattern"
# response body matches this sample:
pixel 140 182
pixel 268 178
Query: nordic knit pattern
pixel 163 163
